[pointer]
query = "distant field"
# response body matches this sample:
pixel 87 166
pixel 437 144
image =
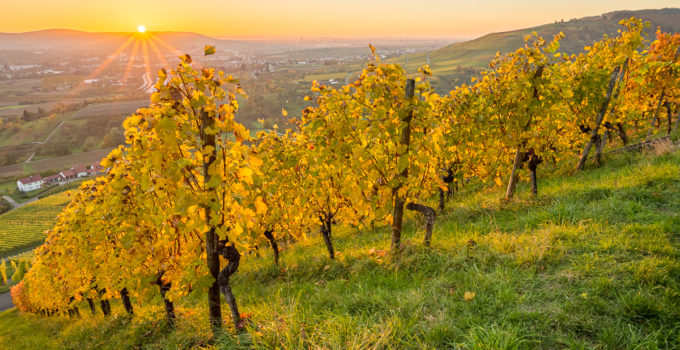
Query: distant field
pixel 112 108
pixel 340 76
pixel 34 131
pixel 17 145
pixel 58 163
pixel 12 107
pixel 23 228
pixel 17 111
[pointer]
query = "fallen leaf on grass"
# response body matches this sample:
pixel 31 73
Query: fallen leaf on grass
pixel 468 296
pixel 377 252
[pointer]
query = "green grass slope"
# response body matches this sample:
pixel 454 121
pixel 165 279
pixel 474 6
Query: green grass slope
pixel 593 262
pixel 582 32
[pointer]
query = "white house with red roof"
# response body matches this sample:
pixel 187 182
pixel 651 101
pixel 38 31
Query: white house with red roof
pixel 81 170
pixel 30 183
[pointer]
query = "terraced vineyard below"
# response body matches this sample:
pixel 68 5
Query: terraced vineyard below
pixel 23 228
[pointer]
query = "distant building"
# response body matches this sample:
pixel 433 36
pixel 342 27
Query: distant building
pixel 53 179
pixel 68 174
pixel 95 169
pixel 30 183
pixel 81 170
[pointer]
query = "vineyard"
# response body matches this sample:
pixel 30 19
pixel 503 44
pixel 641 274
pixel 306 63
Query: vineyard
pixel 24 228
pixel 8 269
pixel 61 188
pixel 194 198
pixel 590 264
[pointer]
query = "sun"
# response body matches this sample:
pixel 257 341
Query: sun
pixel 141 29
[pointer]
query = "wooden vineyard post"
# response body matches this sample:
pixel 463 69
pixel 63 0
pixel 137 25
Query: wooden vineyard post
pixel 656 115
pixel 512 183
pixel 211 242
pixel 601 144
pixel 600 117
pixel 677 119
pixel 519 154
pixel 658 105
pixel 398 209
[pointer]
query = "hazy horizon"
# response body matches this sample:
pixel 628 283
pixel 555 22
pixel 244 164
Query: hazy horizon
pixel 293 19
pixel 254 37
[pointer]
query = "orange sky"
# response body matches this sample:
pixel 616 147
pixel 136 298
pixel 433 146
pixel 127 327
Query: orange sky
pixel 309 18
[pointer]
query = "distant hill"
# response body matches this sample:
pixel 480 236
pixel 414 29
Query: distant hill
pixel 581 32
pixel 66 39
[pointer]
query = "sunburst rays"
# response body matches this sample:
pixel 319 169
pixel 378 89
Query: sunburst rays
pixel 140 45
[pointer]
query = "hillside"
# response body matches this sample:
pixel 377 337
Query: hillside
pixel 592 263
pixel 477 53
pixel 66 39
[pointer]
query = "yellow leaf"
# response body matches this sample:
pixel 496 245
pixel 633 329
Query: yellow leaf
pixel 255 161
pixel 236 230
pixel 260 206
pixel 185 58
pixel 209 50
pixel 246 174
pixel 468 296
pixel 284 112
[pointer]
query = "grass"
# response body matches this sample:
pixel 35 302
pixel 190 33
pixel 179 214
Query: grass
pixel 5 206
pixel 21 197
pixel 7 186
pixel 593 262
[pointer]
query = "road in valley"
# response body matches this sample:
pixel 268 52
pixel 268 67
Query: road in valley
pixel 148 85
pixel 12 202
pixel 5 301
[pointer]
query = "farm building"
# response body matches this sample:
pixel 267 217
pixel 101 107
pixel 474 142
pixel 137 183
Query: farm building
pixel 68 174
pixel 81 170
pixel 95 169
pixel 53 179
pixel 30 183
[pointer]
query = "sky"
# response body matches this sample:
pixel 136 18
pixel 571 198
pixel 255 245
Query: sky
pixel 306 18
